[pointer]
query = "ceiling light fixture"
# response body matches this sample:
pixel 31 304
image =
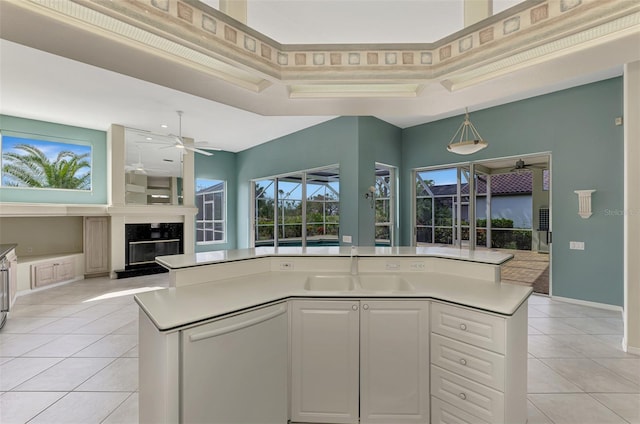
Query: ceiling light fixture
pixel 469 140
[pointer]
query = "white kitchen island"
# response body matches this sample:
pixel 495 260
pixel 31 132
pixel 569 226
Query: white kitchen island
pixel 334 335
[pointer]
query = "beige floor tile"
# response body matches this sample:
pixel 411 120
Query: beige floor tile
pixel 553 326
pixel 596 325
pixel 81 408
pixel 127 412
pixel 20 407
pixel 628 368
pixel 65 375
pixel 590 376
pixel 130 328
pixel 110 346
pixel 19 344
pixel 574 408
pixel 591 346
pixel 107 324
pixel 96 311
pixel 133 353
pixel 536 313
pixel 532 331
pixel 62 326
pixel 535 416
pixel 536 299
pixel 543 346
pixel 64 346
pixel 542 379
pixel 119 376
pixel 625 405
pixel 25 324
pixel 16 372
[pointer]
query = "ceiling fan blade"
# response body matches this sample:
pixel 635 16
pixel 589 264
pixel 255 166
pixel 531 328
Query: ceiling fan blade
pixel 202 152
pixel 205 145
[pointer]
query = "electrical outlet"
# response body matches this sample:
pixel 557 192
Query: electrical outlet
pixel 29 249
pixel 392 266
pixel 418 266
pixel 576 245
pixel 346 239
pixel 286 266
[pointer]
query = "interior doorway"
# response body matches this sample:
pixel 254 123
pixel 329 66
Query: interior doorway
pixel 500 204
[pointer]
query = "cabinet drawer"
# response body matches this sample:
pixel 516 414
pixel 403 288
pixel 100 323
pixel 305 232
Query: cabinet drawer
pixel 477 364
pixel 476 399
pixel 476 328
pixel 444 413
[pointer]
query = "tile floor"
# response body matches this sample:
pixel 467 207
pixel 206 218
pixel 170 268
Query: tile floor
pixel 69 355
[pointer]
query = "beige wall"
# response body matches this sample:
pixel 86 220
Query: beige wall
pixel 37 236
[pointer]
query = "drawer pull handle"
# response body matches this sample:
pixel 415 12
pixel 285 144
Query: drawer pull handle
pixel 463 327
pixel 462 396
pixel 365 307
pixel 463 361
pixel 354 307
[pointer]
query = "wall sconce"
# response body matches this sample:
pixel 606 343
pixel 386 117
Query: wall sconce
pixel 370 194
pixel 584 202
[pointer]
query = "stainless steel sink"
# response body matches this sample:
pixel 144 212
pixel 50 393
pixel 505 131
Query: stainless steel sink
pixel 330 283
pixel 384 283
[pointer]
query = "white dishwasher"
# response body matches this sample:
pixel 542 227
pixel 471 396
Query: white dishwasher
pixel 234 371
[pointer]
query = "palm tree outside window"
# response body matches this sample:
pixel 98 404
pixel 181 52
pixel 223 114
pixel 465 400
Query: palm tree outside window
pixel 33 163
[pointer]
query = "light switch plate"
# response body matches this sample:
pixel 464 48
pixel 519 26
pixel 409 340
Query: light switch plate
pixel 346 239
pixel 576 245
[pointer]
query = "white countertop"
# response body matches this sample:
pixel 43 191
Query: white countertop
pixel 208 258
pixel 172 308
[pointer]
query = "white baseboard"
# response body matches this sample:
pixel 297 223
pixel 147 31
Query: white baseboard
pixel 47 287
pixel 630 349
pixel 587 303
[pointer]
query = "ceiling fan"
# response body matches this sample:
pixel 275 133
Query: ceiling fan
pixel 179 142
pixel 521 166
pixel 139 168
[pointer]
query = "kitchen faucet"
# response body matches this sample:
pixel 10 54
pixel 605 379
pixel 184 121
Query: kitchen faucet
pixel 354 261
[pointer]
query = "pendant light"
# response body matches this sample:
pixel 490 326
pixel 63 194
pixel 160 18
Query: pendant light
pixel 469 140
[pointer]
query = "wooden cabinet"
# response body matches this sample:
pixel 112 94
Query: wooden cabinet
pixel 360 361
pixel 478 365
pixel 96 245
pixel 235 370
pixel 51 272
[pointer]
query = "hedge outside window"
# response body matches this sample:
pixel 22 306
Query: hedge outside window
pixel 211 203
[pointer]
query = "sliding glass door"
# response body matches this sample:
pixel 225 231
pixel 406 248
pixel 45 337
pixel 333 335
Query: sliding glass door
pixel 298 209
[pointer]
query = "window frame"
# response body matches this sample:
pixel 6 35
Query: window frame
pixel 212 221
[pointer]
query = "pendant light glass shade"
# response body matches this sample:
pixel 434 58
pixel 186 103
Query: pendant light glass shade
pixel 468 139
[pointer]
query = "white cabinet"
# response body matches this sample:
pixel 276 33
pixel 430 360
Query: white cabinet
pixel 235 370
pixel 96 245
pixel 54 271
pixel 478 365
pixel 324 361
pixel 371 353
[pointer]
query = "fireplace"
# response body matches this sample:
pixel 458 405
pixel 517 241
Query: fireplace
pixel 143 242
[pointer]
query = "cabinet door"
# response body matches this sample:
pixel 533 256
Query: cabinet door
pixel 324 361
pixel 65 269
pixel 394 368
pixel 96 244
pixel 43 274
pixel 234 371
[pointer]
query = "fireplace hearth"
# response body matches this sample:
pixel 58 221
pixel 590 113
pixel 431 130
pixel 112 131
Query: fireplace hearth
pixel 143 242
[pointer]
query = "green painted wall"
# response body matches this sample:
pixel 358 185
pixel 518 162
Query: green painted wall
pixel 221 166
pixel 97 139
pixel 329 143
pixel 577 127
pixel 381 142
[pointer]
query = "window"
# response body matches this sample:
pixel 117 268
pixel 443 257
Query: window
pixel 300 209
pixel 210 221
pixel 44 164
pixel 385 208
